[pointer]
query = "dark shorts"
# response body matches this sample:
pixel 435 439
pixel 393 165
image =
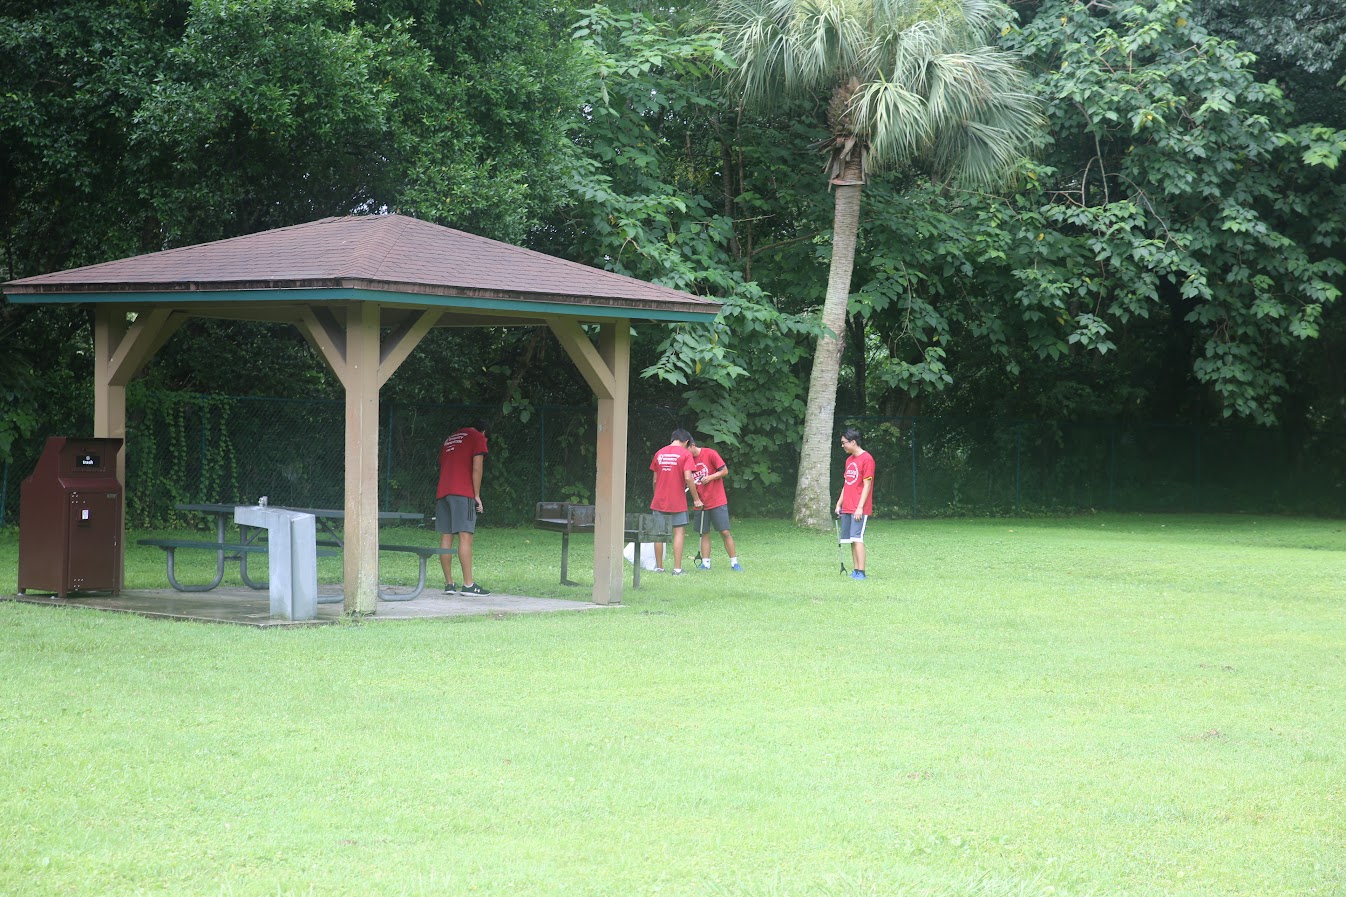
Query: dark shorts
pixel 853 527
pixel 456 514
pixel 713 520
pixel 674 518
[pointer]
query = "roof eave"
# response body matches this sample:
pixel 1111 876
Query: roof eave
pixel 339 289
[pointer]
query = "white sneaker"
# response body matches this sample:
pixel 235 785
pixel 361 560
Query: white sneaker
pixel 704 565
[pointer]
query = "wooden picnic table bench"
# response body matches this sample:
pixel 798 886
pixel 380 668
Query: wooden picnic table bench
pixel 567 518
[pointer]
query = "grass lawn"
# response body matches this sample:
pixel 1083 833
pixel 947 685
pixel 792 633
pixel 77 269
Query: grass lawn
pixel 1100 705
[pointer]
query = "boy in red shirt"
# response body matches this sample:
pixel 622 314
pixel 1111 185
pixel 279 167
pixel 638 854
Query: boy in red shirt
pixel 672 466
pixel 856 501
pixel 462 458
pixel 709 471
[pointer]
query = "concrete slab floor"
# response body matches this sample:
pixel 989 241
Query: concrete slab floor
pixel 247 607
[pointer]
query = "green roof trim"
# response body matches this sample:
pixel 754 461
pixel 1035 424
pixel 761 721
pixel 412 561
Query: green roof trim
pixel 263 296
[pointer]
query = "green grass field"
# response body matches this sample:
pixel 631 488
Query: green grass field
pixel 1101 705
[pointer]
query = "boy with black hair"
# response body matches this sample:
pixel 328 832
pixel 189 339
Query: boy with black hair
pixel 672 466
pixel 856 502
pixel 709 471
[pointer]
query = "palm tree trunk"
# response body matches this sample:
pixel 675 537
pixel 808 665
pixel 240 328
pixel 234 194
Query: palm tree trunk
pixel 813 490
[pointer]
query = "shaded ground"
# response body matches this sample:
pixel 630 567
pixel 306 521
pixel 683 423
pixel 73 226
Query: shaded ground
pixel 252 608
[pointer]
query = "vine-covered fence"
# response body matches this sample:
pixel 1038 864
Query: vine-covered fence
pixel 185 448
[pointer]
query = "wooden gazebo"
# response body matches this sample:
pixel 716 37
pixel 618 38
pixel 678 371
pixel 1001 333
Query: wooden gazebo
pixel 364 291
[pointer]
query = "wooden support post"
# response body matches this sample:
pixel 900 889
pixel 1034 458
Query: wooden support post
pixel 361 379
pixel 363 363
pixel 109 398
pixel 121 350
pixel 614 345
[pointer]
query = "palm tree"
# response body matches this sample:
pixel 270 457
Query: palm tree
pixel 906 81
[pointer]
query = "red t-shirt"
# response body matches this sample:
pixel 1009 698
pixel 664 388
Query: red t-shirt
pixel 703 465
pixel 455 462
pixel 670 465
pixel 858 469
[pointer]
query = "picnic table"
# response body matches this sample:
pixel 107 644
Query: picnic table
pixel 325 518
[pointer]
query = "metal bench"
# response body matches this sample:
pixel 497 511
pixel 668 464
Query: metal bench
pixel 237 551
pixel 566 518
pixel 424 553
pixel 224 551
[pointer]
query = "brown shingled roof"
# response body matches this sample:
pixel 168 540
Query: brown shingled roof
pixel 376 252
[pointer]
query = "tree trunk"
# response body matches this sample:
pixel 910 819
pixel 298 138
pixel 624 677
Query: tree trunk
pixel 813 490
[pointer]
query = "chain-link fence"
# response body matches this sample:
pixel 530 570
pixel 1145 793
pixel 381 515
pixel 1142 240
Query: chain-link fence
pixel 189 449
pixel 184 449
pixel 963 467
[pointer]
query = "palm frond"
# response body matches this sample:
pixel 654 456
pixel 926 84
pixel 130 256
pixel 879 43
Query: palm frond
pixel 979 150
pixel 904 78
pixel 786 47
pixel 894 119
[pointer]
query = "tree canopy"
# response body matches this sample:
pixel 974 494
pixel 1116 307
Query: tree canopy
pixel 1170 247
pixel 901 82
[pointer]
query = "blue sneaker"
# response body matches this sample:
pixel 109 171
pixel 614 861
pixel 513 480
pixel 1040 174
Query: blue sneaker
pixel 736 567
pixel 858 574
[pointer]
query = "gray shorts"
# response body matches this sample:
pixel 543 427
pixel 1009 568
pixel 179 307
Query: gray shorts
pixel 674 518
pixel 713 520
pixel 456 514
pixel 853 527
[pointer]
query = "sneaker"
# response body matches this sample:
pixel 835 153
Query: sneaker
pixel 450 589
pixel 678 571
pixel 658 569
pixel 858 574
pixel 704 565
pixel 473 589
pixel 736 567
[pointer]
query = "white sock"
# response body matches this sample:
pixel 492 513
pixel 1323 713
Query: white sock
pixel 733 560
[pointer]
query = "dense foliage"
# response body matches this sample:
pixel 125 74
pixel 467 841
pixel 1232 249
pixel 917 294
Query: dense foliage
pixel 134 127
pixel 1171 250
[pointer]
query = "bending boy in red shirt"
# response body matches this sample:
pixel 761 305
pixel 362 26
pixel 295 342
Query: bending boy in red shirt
pixel 709 471
pixel 672 466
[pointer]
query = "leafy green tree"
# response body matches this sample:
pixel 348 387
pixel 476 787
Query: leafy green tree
pixel 1194 197
pixel 487 123
pixel 74 75
pixel 1173 253
pixel 902 81
pixel 647 203
pixel 133 127
pixel 1308 33
pixel 1299 44
pixel 270 112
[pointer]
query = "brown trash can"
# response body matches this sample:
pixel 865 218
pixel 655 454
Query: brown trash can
pixel 71 518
